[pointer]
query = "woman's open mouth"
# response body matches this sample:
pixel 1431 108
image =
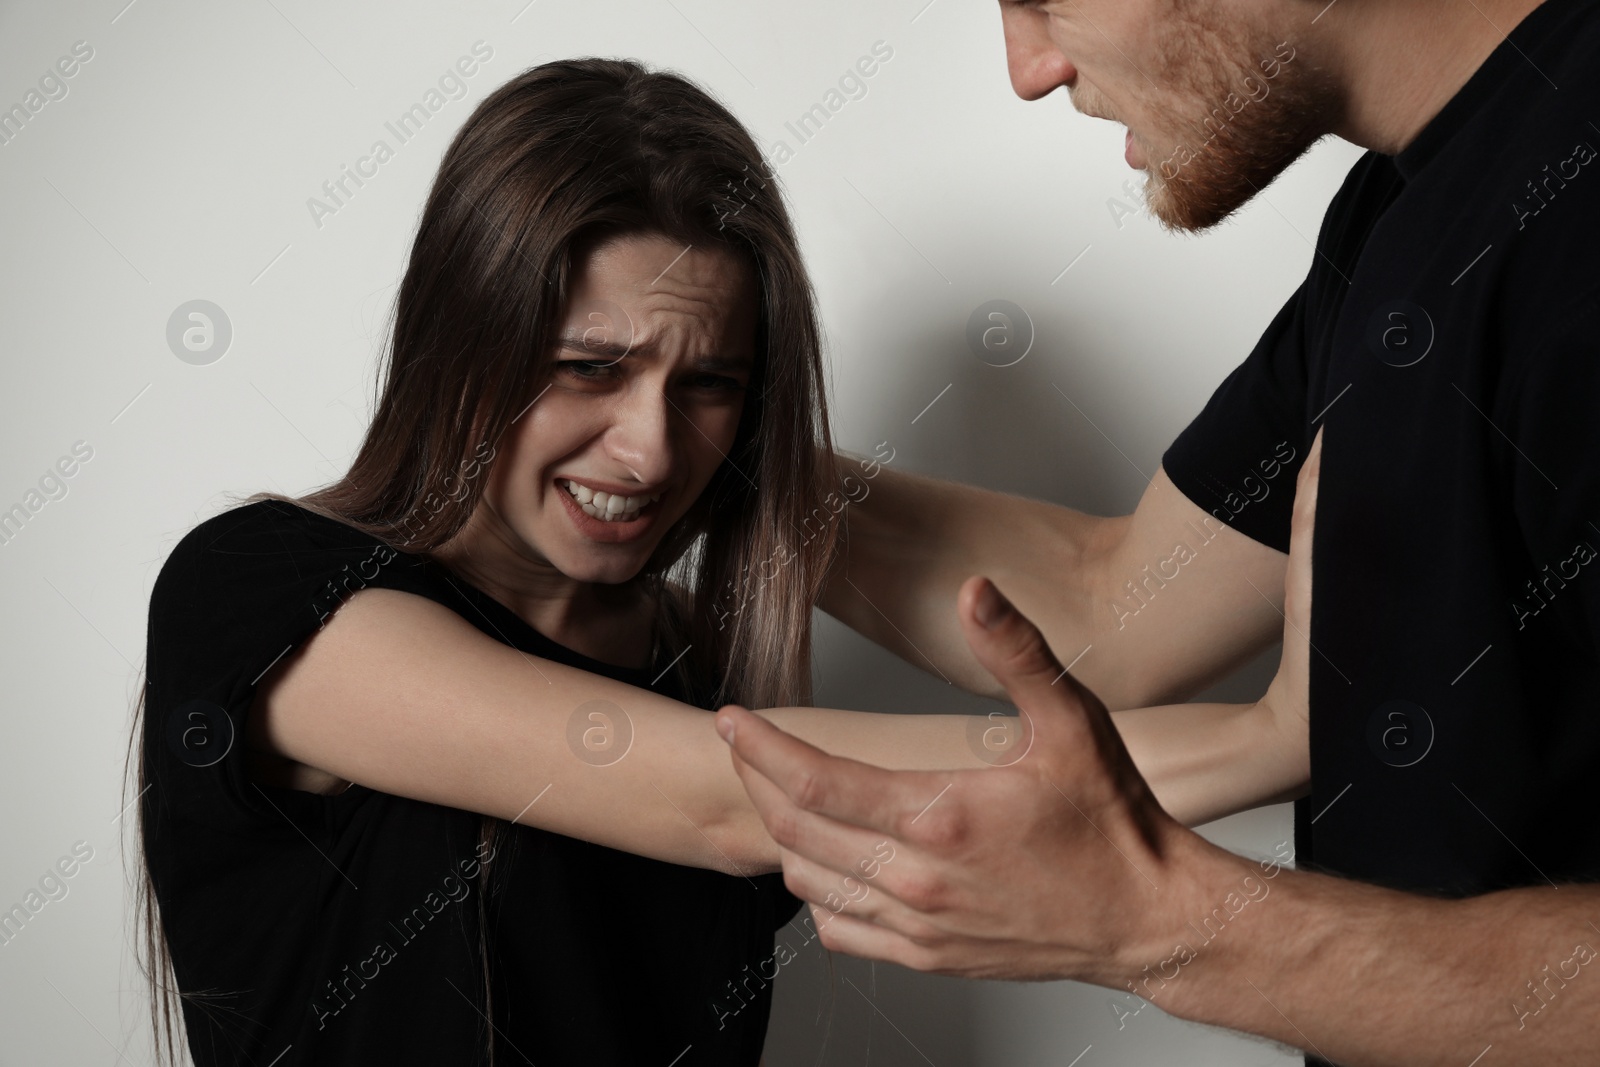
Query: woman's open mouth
pixel 610 517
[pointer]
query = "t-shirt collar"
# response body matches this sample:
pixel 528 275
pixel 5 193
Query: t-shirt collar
pixel 1485 82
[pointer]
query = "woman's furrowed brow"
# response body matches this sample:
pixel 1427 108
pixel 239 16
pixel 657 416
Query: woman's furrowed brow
pixel 612 350
pixel 592 346
pixel 722 363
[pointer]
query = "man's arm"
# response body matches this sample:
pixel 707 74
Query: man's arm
pixel 1148 608
pixel 1362 975
pixel 962 872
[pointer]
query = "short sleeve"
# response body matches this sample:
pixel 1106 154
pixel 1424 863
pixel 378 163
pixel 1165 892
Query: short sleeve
pixel 237 594
pixel 1250 437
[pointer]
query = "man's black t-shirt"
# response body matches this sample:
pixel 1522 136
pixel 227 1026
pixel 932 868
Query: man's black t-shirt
pixel 345 929
pixel 1446 337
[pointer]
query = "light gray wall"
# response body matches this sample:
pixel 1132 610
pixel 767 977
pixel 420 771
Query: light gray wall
pixel 178 167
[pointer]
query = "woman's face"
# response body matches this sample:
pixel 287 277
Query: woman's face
pixel 654 357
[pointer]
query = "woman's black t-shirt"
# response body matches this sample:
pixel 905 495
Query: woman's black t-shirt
pixel 311 929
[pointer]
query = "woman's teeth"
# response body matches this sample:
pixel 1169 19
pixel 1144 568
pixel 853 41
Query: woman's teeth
pixel 607 507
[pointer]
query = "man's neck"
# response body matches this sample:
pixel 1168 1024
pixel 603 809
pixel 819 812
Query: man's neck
pixel 1400 61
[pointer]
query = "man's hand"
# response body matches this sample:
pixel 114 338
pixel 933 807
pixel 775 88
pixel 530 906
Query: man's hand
pixel 1042 869
pixel 1049 867
pixel 1059 864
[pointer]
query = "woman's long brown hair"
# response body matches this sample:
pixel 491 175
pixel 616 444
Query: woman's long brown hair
pixel 565 154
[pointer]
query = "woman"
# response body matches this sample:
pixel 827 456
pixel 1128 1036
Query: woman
pixel 425 771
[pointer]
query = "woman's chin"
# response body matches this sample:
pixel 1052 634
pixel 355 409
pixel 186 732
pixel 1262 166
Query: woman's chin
pixel 607 575
pixel 584 564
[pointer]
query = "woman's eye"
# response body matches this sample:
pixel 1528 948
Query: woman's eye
pixel 588 369
pixel 717 382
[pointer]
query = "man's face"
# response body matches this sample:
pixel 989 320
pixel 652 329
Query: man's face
pixel 1216 106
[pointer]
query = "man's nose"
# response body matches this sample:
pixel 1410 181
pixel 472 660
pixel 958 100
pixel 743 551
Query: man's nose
pixel 1037 67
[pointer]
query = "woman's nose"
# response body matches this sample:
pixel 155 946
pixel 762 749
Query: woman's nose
pixel 640 438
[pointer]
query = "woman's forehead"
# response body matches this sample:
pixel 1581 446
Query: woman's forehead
pixel 647 289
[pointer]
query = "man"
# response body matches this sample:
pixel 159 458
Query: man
pixel 1443 909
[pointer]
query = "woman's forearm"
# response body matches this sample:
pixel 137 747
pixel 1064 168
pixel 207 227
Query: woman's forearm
pixel 1202 761
pixel 893 741
pixel 910 541
pixel 402 695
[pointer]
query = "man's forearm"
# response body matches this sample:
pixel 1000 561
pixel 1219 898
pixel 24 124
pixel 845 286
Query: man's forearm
pixel 1365 976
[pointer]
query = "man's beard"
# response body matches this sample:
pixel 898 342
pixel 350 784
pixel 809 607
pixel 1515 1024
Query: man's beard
pixel 1229 154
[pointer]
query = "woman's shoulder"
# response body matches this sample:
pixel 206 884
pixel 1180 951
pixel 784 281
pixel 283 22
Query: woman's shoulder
pixel 270 533
pixel 272 557
pixel 270 521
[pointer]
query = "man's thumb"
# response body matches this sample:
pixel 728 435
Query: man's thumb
pixel 1008 645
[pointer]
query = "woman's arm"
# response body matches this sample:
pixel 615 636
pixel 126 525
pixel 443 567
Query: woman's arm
pixel 402 695
pixel 1111 595
pixel 1205 761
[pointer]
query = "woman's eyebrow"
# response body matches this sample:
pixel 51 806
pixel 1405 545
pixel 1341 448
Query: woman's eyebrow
pixel 577 342
pixel 580 342
pixel 723 363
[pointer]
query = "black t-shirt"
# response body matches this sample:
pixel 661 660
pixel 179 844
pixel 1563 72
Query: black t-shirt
pixel 345 929
pixel 1446 336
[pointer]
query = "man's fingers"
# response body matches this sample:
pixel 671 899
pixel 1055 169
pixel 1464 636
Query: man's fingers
pixel 1073 735
pixel 847 933
pixel 1012 649
pixel 839 848
pixel 867 890
pixel 1008 645
pixel 846 791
